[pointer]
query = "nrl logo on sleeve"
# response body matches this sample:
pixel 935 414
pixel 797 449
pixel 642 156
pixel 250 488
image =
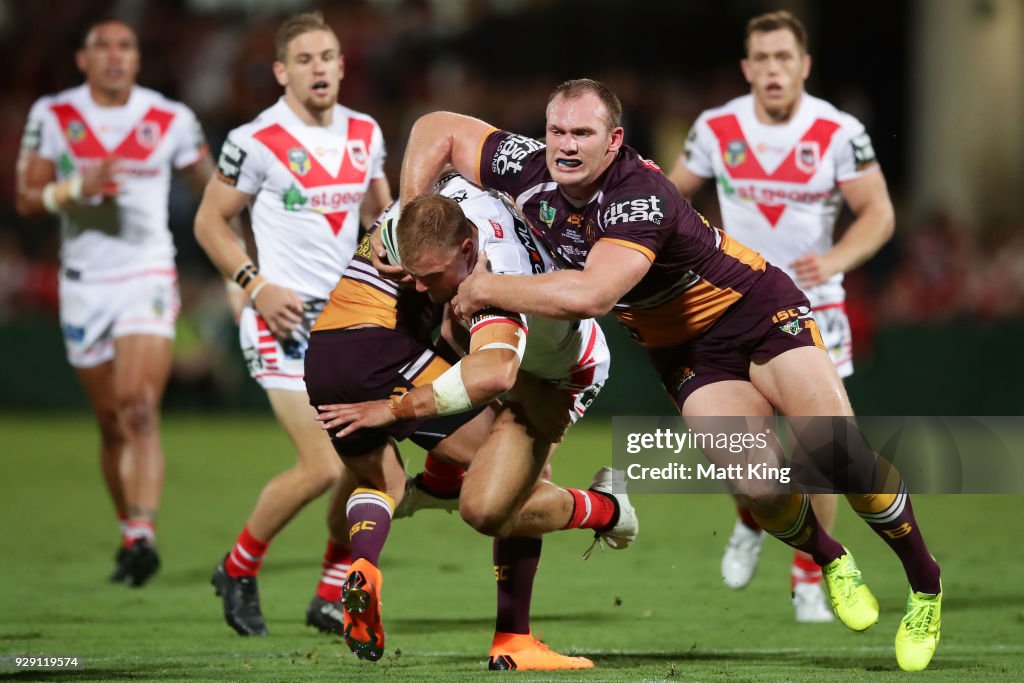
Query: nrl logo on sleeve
pixel 298 161
pixel 863 151
pixel 508 158
pixel 229 165
pixel 648 209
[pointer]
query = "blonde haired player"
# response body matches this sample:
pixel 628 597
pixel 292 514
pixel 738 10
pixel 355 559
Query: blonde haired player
pixel 310 169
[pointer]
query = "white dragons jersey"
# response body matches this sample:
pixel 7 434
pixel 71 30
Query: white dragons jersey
pixel 778 185
pixel 149 136
pixel 572 354
pixel 309 182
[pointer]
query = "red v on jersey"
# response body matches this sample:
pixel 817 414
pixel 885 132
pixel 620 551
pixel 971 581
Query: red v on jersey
pixel 798 167
pixel 138 145
pixel 310 173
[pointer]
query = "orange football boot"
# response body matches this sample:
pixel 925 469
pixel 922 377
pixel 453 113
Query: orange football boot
pixel 521 651
pixel 360 597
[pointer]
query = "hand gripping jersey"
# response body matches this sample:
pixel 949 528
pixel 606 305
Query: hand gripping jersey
pixel 778 185
pixel 572 354
pixel 697 272
pixel 149 136
pixel 309 182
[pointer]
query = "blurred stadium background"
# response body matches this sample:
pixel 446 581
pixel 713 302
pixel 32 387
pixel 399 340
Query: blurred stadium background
pixel 938 316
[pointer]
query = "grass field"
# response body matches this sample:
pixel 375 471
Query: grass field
pixel 657 611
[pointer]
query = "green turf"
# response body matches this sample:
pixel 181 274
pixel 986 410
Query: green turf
pixel 655 612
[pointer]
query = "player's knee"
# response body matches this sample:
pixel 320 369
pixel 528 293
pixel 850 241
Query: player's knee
pixel 322 476
pixel 488 522
pixel 765 503
pixel 111 434
pixel 138 412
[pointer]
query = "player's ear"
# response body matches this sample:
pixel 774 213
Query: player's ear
pixel 745 68
pixel 807 66
pixel 80 60
pixel 341 66
pixel 281 74
pixel 467 249
pixel 617 136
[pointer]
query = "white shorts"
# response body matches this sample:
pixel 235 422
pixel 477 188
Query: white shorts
pixel 95 311
pixel 276 363
pixel 835 332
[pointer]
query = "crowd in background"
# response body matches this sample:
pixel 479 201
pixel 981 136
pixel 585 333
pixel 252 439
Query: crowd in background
pixel 493 59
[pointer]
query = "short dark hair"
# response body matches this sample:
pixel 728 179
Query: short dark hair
pixel 431 222
pixel 92 26
pixel 777 21
pixel 296 25
pixel 570 90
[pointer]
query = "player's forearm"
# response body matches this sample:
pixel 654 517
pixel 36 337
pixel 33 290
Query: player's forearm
pixel 219 239
pixel 865 236
pixel 562 295
pixel 52 198
pixel 476 380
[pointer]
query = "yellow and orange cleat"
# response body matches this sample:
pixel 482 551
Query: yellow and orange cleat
pixel 521 651
pixel 360 597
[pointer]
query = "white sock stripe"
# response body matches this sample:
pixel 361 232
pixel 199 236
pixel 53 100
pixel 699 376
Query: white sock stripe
pixel 586 515
pixel 242 552
pixel 367 499
pixel 336 573
pixel 332 581
pixel 243 563
pixel 889 514
pixel 801 518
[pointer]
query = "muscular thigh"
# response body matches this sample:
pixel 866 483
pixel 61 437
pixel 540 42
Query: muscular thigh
pixel 801 382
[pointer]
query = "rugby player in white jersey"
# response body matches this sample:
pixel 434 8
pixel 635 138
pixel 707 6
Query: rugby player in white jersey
pixel 100 156
pixel 439 240
pixel 784 162
pixel 310 170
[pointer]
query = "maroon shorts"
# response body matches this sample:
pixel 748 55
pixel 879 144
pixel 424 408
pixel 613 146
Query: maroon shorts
pixel 769 320
pixel 370 364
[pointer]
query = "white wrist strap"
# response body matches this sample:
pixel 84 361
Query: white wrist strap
pixel 450 395
pixel 50 198
pixel 74 184
pixel 75 188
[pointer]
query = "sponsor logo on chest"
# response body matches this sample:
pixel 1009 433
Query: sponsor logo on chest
pixel 649 209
